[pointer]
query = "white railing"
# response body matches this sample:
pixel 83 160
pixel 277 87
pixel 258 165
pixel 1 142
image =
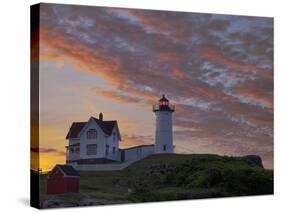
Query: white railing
pixel 103 167
pixel 157 106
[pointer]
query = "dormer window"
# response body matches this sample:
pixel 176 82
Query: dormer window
pixel 92 134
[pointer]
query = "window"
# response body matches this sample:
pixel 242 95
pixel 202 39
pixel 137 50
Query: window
pixel 106 149
pixel 92 134
pixel 113 149
pixel 77 150
pixel 91 149
pixel 71 150
pixel 164 148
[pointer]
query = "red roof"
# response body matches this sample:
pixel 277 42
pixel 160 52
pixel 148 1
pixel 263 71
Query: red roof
pixel 76 127
pixel 163 99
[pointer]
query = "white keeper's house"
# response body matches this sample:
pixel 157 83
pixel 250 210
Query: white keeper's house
pixel 94 144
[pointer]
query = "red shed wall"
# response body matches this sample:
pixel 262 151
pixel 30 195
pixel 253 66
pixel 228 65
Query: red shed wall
pixel 58 184
pixel 72 184
pixel 55 185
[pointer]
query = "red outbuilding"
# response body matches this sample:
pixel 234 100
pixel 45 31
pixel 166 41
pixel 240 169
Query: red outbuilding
pixel 63 179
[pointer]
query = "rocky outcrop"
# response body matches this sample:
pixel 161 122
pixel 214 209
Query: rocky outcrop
pixel 254 159
pixel 59 203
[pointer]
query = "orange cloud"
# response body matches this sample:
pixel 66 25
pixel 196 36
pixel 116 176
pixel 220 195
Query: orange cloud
pixel 165 26
pixel 148 96
pixel 48 160
pixel 120 10
pixel 63 48
pixel 143 53
pixel 263 121
pixel 169 56
pixel 162 24
pixel 179 73
pixel 45 158
pixel 256 96
pixel 132 140
pixel 216 56
pixel 116 96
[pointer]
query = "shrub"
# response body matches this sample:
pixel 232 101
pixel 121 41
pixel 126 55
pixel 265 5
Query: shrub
pixel 248 182
pixel 152 196
pixel 154 177
pixel 212 177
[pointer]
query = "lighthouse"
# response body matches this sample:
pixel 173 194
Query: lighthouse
pixel 164 126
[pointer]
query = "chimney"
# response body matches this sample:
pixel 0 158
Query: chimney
pixel 101 117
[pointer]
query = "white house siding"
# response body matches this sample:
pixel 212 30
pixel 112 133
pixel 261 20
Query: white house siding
pixel 125 156
pixel 99 141
pixel 72 141
pixel 137 153
pixel 72 152
pixel 113 141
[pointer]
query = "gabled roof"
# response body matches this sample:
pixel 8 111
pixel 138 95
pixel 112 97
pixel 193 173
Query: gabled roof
pixel 106 126
pixel 76 127
pixel 68 170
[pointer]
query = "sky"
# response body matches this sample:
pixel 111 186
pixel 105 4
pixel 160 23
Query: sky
pixel 216 69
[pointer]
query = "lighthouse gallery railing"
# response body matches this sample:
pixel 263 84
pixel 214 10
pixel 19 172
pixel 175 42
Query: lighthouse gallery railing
pixel 158 107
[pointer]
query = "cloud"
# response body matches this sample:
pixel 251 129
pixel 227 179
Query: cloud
pixel 217 69
pixel 134 140
pixel 215 56
pixel 47 150
pixel 117 96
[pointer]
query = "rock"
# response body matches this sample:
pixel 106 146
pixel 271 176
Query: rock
pixel 254 159
pixel 91 201
pixel 122 183
pixel 211 193
pixel 52 203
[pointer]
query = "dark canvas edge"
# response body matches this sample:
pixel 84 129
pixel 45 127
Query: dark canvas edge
pixel 34 106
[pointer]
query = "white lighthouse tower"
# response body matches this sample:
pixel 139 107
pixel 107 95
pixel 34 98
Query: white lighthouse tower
pixel 164 126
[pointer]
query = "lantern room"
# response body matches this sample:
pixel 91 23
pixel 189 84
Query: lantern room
pixel 163 105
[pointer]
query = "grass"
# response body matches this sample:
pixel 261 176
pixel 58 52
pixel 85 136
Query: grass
pixel 171 177
pixel 100 185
